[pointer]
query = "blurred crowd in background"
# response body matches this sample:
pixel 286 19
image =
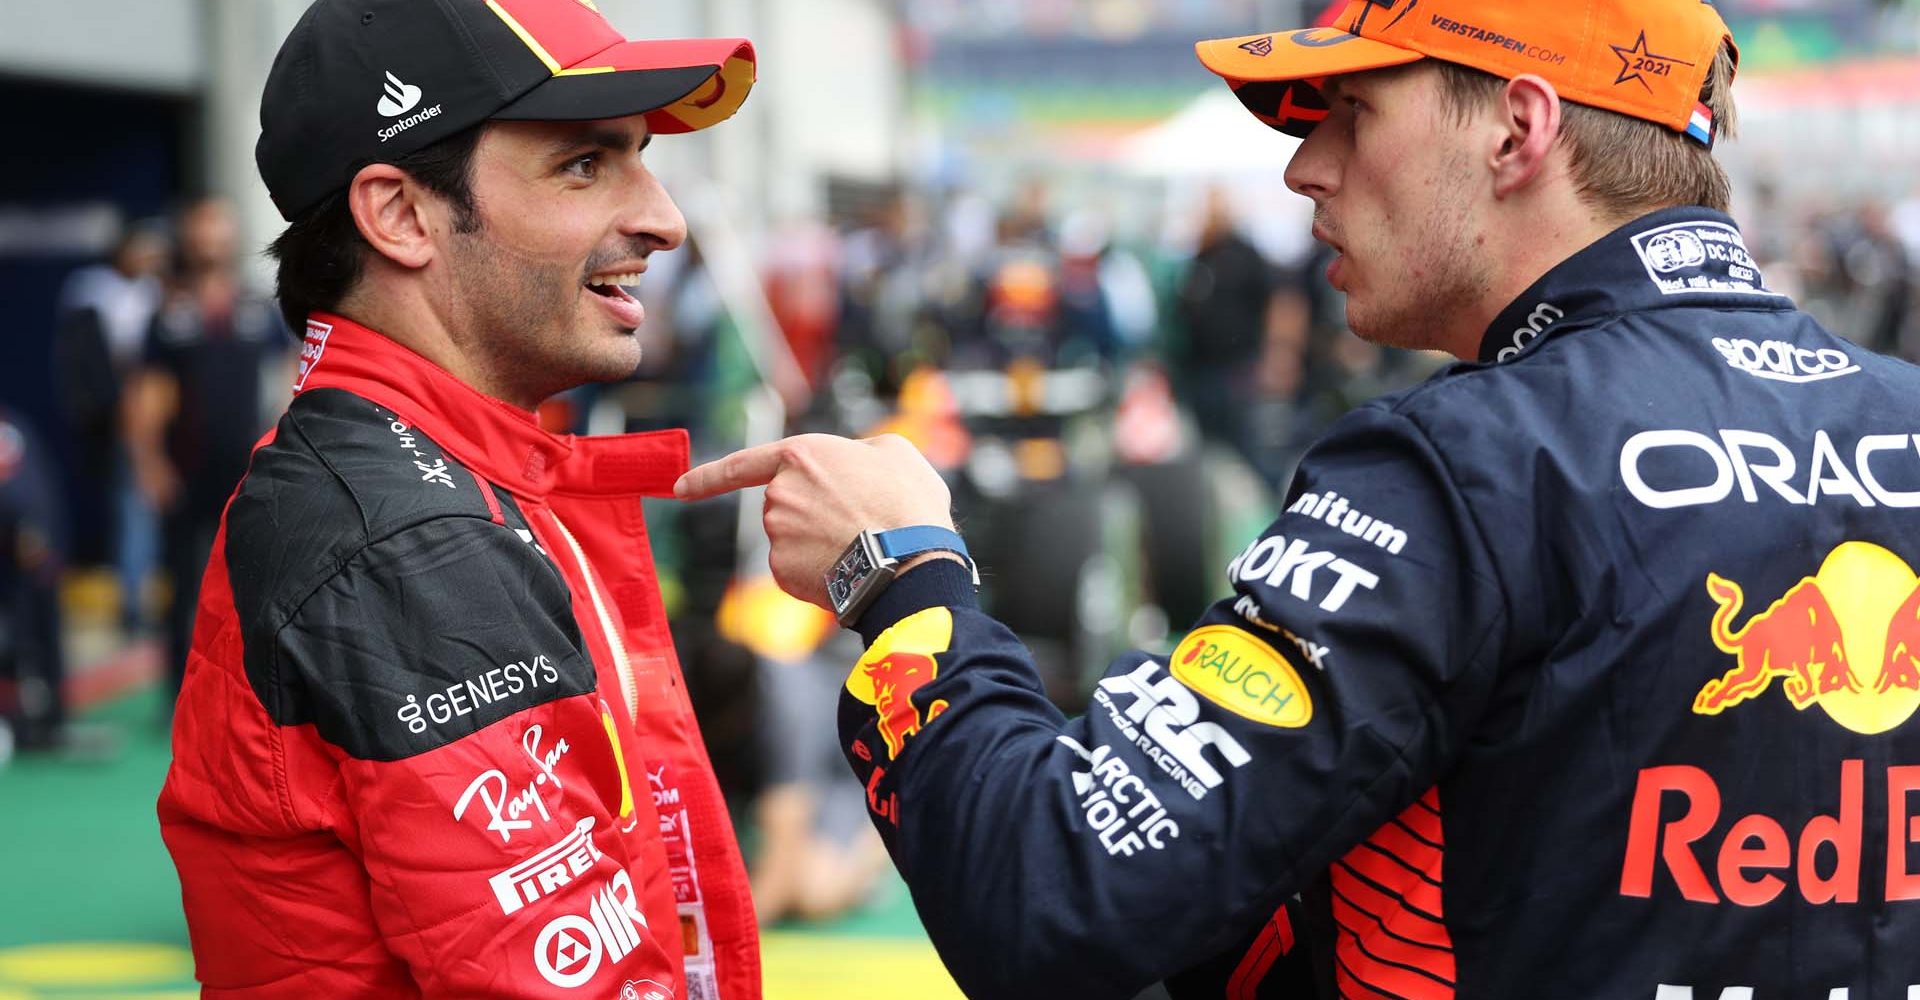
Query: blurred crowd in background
pixel 1066 268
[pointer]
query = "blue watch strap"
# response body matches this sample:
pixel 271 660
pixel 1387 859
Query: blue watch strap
pixel 900 543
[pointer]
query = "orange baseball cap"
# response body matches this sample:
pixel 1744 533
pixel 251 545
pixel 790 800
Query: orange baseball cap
pixel 1644 58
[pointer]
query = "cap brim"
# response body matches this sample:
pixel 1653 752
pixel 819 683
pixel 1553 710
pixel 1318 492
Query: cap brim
pixel 680 85
pixel 1309 53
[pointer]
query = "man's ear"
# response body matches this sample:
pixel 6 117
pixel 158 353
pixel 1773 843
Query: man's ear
pixel 393 214
pixel 1529 110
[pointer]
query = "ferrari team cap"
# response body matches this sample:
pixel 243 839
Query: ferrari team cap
pixel 367 81
pixel 1644 58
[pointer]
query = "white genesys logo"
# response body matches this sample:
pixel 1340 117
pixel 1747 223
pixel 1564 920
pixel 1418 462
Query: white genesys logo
pixel 401 97
pixel 1783 362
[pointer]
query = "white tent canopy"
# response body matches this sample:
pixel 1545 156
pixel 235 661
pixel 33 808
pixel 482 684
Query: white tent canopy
pixel 1213 136
pixel 1214 142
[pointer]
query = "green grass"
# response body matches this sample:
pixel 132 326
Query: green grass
pixel 90 908
pixel 88 864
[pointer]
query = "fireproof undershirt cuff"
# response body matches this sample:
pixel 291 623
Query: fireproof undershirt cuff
pixel 936 583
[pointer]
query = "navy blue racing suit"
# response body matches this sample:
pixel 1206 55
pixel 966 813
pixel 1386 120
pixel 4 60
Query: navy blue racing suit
pixel 1585 669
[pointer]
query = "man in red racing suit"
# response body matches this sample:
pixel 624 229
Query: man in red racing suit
pixel 433 740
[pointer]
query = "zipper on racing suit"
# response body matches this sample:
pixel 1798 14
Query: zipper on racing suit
pixel 621 665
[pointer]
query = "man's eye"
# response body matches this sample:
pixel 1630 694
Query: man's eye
pixel 583 167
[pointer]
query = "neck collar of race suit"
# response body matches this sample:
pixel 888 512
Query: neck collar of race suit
pixel 500 441
pixel 1689 256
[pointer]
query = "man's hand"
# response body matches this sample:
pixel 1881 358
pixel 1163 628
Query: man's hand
pixel 821 492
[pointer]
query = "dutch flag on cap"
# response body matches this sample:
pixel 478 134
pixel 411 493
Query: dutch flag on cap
pixel 1700 126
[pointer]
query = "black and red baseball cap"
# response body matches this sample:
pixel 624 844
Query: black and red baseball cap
pixel 369 81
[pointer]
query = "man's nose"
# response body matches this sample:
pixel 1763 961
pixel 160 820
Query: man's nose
pixel 1312 172
pixel 653 215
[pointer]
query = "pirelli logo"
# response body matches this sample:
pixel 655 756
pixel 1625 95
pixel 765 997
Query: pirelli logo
pixel 548 871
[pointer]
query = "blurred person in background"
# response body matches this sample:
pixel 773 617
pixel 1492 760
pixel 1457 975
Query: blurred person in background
pixel 105 313
pixel 1106 294
pixel 33 699
pixel 210 378
pixel 1223 305
pixel 1881 274
pixel 802 276
pixel 1492 711
pixel 433 740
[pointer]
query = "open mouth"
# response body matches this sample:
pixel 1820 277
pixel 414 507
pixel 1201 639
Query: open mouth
pixel 616 296
pixel 613 286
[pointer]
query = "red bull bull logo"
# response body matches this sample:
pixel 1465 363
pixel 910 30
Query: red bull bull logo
pixel 1846 639
pixel 895 668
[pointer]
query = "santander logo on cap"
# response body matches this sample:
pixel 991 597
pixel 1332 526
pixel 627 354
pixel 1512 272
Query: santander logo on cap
pixel 401 97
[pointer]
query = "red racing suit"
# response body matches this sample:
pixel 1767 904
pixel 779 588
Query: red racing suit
pixel 433 739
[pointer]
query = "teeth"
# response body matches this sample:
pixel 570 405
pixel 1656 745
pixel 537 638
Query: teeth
pixel 615 279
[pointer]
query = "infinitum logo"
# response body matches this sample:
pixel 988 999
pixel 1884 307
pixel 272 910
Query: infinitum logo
pixel 401 97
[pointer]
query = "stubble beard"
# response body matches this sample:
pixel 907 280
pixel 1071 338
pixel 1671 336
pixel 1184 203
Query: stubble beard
pixel 520 312
pixel 1419 310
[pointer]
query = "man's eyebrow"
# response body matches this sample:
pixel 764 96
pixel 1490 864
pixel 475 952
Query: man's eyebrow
pixel 1330 88
pixel 617 140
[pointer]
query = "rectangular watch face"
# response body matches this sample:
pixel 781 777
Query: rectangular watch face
pixel 852 569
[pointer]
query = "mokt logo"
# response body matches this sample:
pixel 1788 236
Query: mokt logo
pixel 1848 640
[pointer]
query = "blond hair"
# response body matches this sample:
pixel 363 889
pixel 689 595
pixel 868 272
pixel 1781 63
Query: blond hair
pixel 1624 166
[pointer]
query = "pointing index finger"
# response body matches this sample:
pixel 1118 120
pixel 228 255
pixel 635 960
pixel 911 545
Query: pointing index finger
pixel 754 466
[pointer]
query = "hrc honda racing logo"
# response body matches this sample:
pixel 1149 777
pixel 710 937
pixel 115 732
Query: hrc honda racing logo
pixel 1163 720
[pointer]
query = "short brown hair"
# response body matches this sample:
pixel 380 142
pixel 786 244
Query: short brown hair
pixel 1625 166
pixel 320 254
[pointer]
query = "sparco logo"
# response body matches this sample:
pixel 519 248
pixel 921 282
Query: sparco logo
pixel 1539 320
pixel 401 98
pixel 1783 362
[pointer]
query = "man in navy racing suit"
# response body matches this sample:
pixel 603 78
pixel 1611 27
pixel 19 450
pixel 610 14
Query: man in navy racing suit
pixel 1586 669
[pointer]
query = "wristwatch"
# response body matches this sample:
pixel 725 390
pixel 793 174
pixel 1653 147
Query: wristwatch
pixel 872 560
